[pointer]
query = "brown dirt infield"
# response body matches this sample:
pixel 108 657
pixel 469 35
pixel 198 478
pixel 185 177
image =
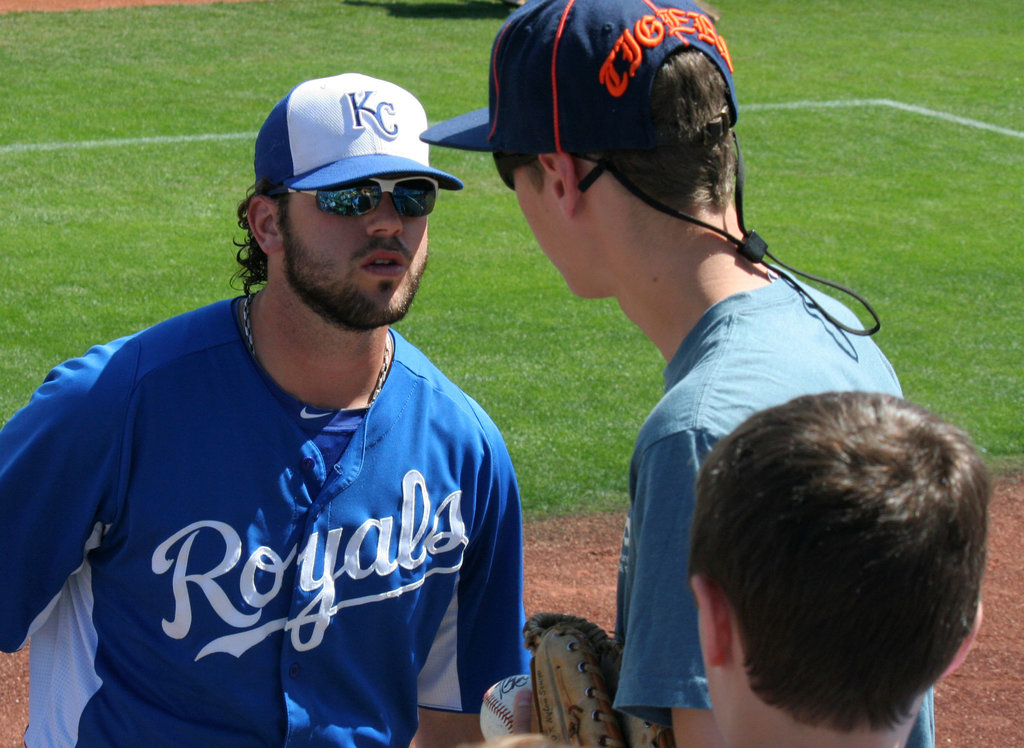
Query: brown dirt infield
pixel 571 563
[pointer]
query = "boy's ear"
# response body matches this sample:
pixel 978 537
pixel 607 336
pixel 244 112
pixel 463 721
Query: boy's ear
pixel 563 170
pixel 714 618
pixel 965 647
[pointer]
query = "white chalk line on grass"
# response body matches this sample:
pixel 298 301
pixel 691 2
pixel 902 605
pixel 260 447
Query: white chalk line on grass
pixel 912 108
pixel 76 145
pixel 847 103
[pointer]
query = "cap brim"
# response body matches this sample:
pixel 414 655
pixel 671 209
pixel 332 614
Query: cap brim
pixel 469 132
pixel 355 168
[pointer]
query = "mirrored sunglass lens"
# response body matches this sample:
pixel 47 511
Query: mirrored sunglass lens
pixel 349 201
pixel 414 198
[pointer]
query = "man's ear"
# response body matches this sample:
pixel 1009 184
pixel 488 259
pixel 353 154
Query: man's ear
pixel 714 618
pixel 263 222
pixel 965 647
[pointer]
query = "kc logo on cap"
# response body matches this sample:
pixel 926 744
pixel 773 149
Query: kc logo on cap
pixel 343 129
pixel 385 110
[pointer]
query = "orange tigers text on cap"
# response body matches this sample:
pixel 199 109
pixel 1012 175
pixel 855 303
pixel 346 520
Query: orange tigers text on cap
pixel 649 32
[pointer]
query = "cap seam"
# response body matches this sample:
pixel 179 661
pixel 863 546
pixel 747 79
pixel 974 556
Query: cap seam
pixel 497 88
pixel 554 75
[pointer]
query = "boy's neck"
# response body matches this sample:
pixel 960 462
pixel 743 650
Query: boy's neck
pixel 763 726
pixel 682 279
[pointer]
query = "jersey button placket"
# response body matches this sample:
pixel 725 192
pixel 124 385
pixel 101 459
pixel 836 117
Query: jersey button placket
pixel 312 476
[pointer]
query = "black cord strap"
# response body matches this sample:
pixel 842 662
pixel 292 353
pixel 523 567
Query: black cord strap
pixel 752 246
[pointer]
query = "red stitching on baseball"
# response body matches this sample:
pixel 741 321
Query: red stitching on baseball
pixel 500 710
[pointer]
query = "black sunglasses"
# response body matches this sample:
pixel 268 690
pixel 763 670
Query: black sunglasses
pixel 413 196
pixel 507 163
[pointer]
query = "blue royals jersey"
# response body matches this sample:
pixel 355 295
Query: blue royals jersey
pixel 190 572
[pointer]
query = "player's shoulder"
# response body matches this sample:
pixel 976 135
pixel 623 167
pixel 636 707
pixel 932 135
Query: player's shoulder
pixel 119 364
pixel 437 384
pixel 191 332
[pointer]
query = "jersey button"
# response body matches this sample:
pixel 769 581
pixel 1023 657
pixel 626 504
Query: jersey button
pixel 294 669
pixel 307 463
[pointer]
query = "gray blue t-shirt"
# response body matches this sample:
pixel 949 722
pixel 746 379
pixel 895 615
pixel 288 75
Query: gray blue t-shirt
pixel 750 351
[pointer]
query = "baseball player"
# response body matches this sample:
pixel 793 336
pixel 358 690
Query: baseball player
pixel 612 120
pixel 271 520
pixel 861 585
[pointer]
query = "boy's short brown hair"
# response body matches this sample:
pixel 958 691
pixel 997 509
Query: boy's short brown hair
pixel 847 531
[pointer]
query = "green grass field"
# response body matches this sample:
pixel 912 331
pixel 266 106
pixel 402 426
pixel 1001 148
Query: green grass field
pixel 884 145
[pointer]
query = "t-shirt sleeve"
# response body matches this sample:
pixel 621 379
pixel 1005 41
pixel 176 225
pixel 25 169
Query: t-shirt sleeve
pixel 662 667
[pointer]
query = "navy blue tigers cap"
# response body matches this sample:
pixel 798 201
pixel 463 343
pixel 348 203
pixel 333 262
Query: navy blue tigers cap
pixel 575 76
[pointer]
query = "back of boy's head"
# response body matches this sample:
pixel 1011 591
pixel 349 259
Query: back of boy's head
pixel 648 85
pixel 693 163
pixel 847 531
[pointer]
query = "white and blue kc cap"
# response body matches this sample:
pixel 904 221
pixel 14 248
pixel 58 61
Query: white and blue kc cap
pixel 334 131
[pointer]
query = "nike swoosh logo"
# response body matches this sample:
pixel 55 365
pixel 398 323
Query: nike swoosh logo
pixel 307 415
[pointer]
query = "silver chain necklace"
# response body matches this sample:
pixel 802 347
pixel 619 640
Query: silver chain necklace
pixel 384 366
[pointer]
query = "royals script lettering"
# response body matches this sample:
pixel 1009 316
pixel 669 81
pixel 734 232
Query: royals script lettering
pixel 375 549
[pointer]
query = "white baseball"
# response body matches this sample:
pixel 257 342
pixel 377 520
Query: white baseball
pixel 496 712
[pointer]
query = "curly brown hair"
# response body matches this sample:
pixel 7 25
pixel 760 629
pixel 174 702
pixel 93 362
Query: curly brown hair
pixel 251 258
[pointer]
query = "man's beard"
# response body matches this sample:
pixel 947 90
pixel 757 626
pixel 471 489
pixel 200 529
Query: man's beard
pixel 342 303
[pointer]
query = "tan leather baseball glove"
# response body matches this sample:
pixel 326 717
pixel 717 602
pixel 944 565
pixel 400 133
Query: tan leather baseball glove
pixel 575 672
